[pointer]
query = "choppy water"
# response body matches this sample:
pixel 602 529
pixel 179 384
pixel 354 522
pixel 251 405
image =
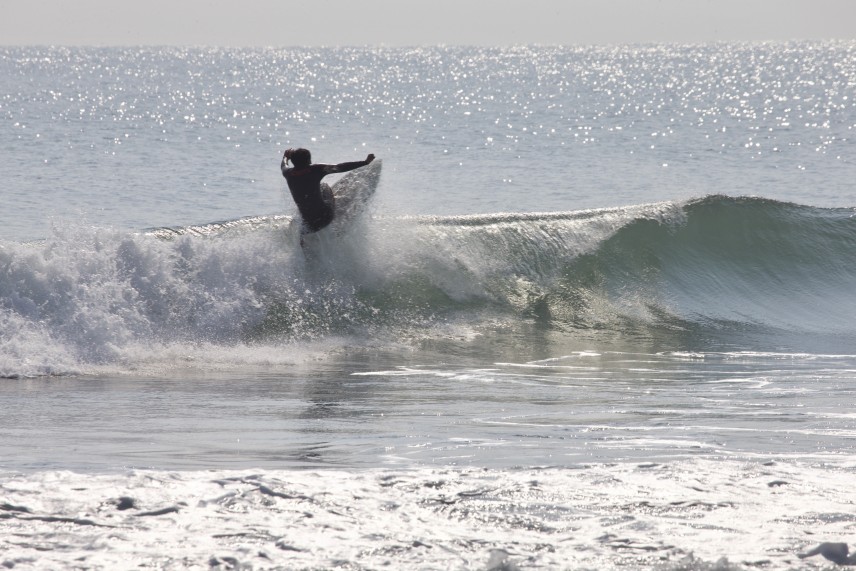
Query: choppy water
pixel 600 315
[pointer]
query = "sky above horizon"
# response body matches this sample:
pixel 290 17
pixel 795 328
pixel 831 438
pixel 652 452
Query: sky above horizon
pixel 253 23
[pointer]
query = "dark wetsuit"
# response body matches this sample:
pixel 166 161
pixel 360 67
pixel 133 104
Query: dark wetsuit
pixel 314 200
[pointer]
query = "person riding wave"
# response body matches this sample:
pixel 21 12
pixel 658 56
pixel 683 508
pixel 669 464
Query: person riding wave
pixel 314 199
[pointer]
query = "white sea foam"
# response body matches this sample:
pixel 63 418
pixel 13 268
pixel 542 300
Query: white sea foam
pixel 690 514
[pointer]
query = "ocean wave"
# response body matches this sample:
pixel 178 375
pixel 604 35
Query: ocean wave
pixel 714 266
pixel 731 262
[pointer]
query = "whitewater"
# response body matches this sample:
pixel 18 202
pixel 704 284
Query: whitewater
pixel 600 313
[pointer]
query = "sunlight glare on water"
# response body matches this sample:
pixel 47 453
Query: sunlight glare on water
pixel 142 137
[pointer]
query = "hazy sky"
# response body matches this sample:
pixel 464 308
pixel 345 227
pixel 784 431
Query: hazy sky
pixel 407 22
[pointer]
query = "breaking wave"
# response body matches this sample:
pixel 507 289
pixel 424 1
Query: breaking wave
pixel 710 268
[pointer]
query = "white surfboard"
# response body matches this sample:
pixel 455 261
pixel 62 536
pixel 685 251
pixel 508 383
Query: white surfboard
pixel 353 192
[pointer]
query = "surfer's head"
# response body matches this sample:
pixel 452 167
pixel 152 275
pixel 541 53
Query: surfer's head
pixel 301 158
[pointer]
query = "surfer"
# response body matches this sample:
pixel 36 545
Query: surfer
pixel 314 199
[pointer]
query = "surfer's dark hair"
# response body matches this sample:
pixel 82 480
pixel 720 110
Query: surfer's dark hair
pixel 301 158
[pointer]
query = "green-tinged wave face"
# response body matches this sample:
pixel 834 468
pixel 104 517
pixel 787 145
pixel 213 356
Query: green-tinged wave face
pixel 711 267
pixel 729 263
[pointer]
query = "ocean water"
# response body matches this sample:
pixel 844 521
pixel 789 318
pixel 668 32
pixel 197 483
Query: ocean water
pixel 600 314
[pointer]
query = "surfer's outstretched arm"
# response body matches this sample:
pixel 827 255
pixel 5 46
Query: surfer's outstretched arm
pixel 345 167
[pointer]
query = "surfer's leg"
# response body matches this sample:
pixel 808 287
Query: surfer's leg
pixel 327 196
